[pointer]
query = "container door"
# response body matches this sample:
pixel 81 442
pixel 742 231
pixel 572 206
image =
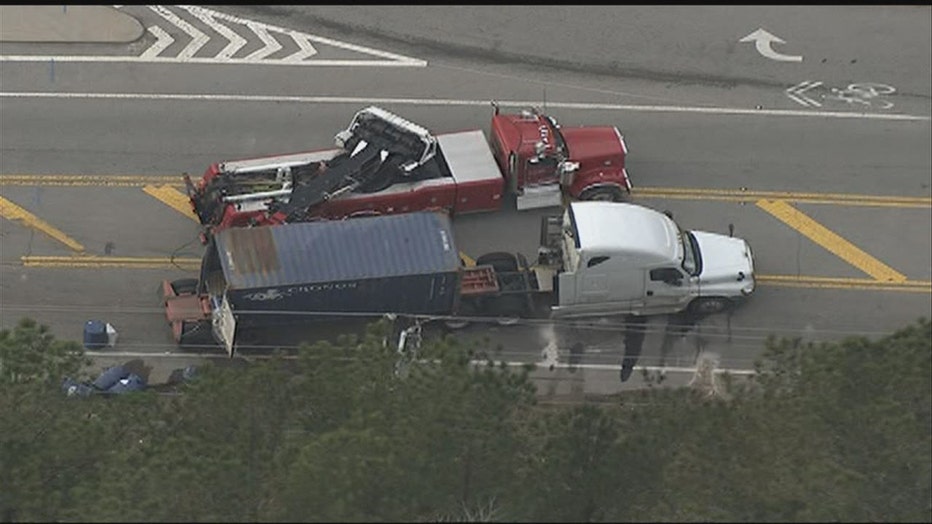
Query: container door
pixel 224 324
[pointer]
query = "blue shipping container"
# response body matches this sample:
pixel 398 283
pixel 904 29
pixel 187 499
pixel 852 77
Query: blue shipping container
pixel 399 263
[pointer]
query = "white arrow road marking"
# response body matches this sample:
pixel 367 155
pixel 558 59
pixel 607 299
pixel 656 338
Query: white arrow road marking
pixel 236 41
pixel 304 43
pixel 163 40
pixel 763 40
pixel 796 93
pixel 270 45
pixel 198 39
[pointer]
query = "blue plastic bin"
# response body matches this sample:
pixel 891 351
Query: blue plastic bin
pixel 95 334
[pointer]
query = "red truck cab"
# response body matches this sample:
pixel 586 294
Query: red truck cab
pixel 541 160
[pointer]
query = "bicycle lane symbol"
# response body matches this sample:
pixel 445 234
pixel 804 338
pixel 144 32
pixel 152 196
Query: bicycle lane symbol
pixel 865 94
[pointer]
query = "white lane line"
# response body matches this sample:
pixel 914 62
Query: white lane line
pixel 163 40
pixel 270 45
pixel 211 60
pixel 470 103
pixel 542 365
pixel 236 41
pixel 198 39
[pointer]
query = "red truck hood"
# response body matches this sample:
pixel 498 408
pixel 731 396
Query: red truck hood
pixel 586 143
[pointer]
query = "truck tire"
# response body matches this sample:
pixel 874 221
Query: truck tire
pixel 507 309
pixel 467 308
pixel 708 305
pixel 184 286
pixel 602 194
pixel 502 262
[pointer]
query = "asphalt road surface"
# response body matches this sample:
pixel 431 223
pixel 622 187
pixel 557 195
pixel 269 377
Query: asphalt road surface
pixel 719 134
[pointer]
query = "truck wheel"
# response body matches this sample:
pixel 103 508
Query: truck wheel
pixel 602 194
pixel 467 309
pixel 508 309
pixel 502 262
pixel 708 306
pixel 184 286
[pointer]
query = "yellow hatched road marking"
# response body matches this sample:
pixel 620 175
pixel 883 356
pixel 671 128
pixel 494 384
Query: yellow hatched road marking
pixel 830 241
pixel 11 211
pixel 172 198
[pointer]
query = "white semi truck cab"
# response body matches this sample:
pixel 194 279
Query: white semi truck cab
pixel 618 258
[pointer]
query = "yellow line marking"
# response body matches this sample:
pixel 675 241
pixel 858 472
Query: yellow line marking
pixel 172 198
pixel 11 211
pixel 727 195
pixel 838 280
pixel 104 262
pixel 904 287
pixel 787 195
pixel 830 241
pixel 90 180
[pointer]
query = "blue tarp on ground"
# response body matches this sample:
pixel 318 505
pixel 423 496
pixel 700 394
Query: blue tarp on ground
pixel 109 377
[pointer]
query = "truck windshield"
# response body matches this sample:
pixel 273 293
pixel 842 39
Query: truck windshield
pixel 570 241
pixel 559 143
pixel 692 258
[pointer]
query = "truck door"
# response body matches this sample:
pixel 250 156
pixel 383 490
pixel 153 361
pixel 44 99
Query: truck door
pixel 224 323
pixel 606 280
pixel 668 290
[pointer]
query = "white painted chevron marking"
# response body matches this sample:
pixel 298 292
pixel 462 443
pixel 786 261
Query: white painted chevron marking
pixel 304 44
pixel 210 18
pixel 163 40
pixel 795 93
pixel 236 41
pixel 198 39
pixel 270 44
pixel 400 59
